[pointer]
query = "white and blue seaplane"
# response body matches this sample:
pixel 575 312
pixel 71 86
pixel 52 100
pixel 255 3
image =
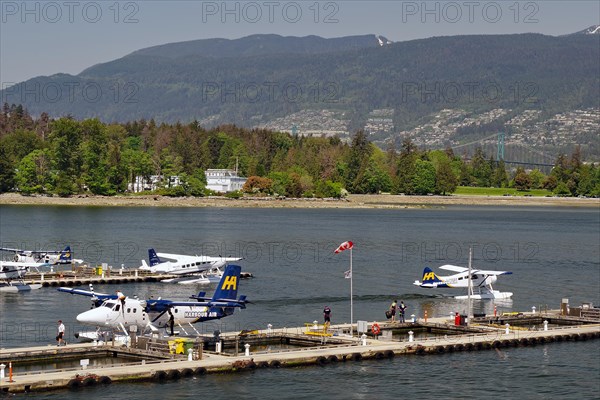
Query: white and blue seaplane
pixel 121 314
pixel 12 272
pixel 480 284
pixel 188 269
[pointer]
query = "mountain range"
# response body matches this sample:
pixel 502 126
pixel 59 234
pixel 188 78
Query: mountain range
pixel 257 79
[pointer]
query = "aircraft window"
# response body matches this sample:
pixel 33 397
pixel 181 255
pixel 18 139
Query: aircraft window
pixel 134 310
pixel 474 276
pixel 128 310
pixel 117 307
pixel 108 304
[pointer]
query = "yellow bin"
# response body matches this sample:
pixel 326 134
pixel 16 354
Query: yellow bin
pixel 98 270
pixel 180 346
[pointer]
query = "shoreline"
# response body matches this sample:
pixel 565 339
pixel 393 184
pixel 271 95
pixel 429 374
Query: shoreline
pixel 383 201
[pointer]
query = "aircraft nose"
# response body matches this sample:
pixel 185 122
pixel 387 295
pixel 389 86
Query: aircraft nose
pixel 88 317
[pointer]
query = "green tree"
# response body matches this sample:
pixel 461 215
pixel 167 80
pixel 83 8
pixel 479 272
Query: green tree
pixel 34 173
pixel 406 167
pixel 65 139
pixel 424 177
pixel 445 180
pixel 482 170
pixel 499 175
pixel 7 171
pixel 537 178
pixel 521 180
pixel 358 160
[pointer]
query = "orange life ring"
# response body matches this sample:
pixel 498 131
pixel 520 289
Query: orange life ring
pixel 375 329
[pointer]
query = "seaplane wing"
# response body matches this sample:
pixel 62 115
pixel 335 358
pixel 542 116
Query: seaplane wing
pixel 492 273
pixel 177 257
pixel 189 259
pixel 454 268
pixel 89 293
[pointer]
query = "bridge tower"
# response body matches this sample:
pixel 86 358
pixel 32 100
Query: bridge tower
pixel 500 154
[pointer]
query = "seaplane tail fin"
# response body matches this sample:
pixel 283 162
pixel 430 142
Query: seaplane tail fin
pixel 228 286
pixel 65 255
pixel 430 279
pixel 154 260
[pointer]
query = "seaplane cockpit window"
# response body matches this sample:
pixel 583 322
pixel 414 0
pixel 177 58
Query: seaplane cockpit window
pixel 108 304
pixel 117 307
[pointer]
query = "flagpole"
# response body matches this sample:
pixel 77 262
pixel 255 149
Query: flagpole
pixel 351 296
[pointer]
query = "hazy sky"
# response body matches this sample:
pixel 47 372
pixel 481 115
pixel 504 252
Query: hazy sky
pixel 48 37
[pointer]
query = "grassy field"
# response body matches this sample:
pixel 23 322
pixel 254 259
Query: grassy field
pixel 501 191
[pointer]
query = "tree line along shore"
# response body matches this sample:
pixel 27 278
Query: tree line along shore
pixel 66 157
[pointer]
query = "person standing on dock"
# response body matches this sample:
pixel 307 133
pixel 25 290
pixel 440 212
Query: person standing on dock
pixel 402 311
pixel 393 307
pixel 327 317
pixel 171 322
pixel 61 334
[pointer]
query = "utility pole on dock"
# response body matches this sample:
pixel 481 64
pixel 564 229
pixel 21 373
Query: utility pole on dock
pixel 348 275
pixel 470 288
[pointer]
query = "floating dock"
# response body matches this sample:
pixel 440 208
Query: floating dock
pixel 156 359
pixel 79 277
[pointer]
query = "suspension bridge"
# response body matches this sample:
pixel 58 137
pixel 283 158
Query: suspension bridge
pixel 512 153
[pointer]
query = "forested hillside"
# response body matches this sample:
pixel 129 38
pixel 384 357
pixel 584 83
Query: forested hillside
pixel 66 156
pixel 251 81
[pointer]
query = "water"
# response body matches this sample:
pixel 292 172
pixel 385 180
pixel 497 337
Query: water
pixel 553 253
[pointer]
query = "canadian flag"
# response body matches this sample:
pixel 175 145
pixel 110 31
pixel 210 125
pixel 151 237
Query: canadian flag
pixel 344 246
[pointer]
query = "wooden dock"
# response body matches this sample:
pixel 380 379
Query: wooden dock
pixel 78 276
pixel 83 276
pixel 337 347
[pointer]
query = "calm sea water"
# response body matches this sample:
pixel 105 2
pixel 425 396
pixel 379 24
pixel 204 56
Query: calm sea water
pixel 554 253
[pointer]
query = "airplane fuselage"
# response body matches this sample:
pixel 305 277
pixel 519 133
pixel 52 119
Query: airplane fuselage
pixel 134 312
pixel 462 281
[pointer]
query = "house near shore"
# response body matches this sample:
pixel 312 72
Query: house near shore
pixel 224 180
pixel 152 182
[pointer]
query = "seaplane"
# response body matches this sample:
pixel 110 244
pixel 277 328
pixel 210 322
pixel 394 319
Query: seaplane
pixel 480 284
pixel 189 269
pixel 155 314
pixel 183 264
pixel 12 274
pixel 43 257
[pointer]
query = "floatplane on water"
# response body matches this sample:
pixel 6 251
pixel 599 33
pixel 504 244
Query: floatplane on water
pixel 120 314
pixel 12 272
pixel 480 283
pixel 188 269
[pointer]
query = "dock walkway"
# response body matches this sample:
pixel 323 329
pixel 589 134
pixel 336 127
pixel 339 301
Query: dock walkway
pixel 340 347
